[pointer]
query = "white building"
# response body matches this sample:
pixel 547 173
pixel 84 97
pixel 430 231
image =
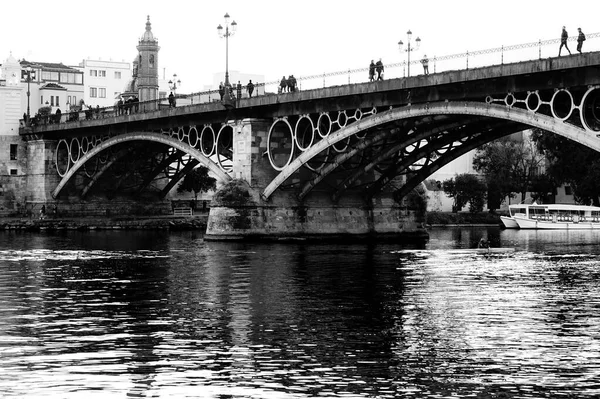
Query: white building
pixel 104 81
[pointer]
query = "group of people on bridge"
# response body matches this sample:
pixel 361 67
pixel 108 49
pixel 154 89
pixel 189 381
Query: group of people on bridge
pixel 565 36
pixel 290 84
pixel 236 88
pixel 128 106
pixel 376 67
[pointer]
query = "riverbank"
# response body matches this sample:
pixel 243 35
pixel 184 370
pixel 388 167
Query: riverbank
pixel 449 219
pixel 170 222
pixel 198 222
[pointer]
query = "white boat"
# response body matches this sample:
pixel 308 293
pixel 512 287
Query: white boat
pixel 509 222
pixel 555 216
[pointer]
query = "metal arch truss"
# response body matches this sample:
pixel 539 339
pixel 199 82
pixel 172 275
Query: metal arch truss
pixel 133 161
pixel 371 149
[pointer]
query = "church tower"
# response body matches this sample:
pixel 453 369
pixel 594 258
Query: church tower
pixel 147 73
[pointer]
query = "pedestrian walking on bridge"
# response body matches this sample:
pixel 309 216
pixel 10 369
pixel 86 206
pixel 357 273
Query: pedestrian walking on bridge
pixel 371 71
pixel 580 40
pixel 563 41
pixel 425 62
pixel 379 68
pixel 250 88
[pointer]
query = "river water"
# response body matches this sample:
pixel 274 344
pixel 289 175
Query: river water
pixel 167 315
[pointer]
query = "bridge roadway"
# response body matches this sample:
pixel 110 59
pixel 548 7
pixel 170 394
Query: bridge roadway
pixel 357 145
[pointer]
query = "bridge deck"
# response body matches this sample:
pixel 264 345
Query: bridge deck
pixel 468 84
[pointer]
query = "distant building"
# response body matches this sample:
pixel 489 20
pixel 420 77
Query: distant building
pixel 52 84
pixel 104 81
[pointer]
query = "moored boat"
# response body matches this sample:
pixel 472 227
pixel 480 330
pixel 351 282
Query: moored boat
pixel 555 216
pixel 509 222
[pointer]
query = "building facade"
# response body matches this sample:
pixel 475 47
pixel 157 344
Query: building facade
pixel 103 81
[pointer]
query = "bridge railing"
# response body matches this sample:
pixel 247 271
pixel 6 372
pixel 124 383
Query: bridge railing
pixel 461 61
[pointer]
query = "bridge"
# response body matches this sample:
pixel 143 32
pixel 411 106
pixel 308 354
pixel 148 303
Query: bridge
pixel 341 160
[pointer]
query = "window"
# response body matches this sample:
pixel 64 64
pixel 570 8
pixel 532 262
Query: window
pixel 13 152
pixel 102 92
pixel 48 75
pixel 13 172
pixel 151 60
pixel 568 190
pixel 42 100
pixel 52 101
pixel 67 77
pixel 93 92
pixel 117 75
pixel 93 72
pixel 102 74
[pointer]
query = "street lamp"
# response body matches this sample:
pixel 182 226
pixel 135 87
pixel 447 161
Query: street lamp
pixel 174 84
pixel 228 32
pixel 30 73
pixel 409 48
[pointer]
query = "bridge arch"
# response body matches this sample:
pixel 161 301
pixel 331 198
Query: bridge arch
pixel 493 111
pixel 197 155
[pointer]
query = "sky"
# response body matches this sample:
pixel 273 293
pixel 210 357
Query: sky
pixel 279 37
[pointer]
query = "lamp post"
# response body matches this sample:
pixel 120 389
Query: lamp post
pixel 30 73
pixel 174 84
pixel 409 48
pixel 228 32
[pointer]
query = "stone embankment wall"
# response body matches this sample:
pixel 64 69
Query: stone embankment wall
pixel 83 224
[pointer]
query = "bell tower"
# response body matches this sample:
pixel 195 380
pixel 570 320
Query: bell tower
pixel 147 73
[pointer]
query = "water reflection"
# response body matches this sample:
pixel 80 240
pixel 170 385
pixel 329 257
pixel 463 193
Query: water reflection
pixel 146 314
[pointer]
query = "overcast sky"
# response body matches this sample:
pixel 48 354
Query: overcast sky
pixel 280 37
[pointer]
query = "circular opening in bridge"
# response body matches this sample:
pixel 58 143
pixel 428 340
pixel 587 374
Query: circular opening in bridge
pixel 533 101
pixel 509 100
pixel 280 144
pixel 341 145
pixel 74 150
pixel 590 110
pixel 91 167
pixel 62 158
pixel 562 104
pixel 207 141
pixel 85 145
pixel 324 125
pixel 305 133
pixel 319 160
pixel 358 114
pixel 342 119
pixel 193 137
pixel 181 134
pixel 225 147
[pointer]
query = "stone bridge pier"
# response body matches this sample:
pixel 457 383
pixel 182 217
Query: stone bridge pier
pixel 241 212
pixel 41 173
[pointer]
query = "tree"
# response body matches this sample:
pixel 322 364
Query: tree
pixel 466 188
pixel 542 188
pixel 571 163
pixel 509 167
pixel 198 181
